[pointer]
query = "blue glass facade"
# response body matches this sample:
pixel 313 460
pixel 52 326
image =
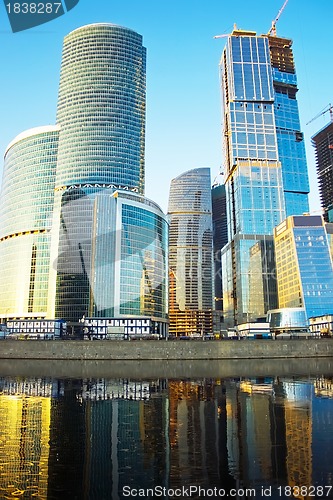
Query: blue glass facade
pixel 129 257
pixel 144 269
pixel 254 179
pixel 287 320
pixel 304 265
pixel 290 139
pixel 315 268
pixel 265 162
pixel 254 185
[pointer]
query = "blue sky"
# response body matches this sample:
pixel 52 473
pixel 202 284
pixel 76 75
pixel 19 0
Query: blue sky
pixel 183 93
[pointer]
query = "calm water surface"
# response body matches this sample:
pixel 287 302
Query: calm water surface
pixel 115 437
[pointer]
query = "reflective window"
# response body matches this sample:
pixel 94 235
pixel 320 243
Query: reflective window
pixel 191 249
pixel 26 205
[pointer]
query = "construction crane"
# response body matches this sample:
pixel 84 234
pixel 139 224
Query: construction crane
pixel 221 36
pixel 272 31
pixel 329 108
pixel 215 181
pixel 226 34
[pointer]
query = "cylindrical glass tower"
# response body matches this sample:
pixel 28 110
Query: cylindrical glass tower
pixel 101 108
pixel 26 205
pixel 101 113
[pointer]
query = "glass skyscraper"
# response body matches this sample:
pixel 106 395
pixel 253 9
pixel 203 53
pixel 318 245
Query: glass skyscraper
pixel 220 238
pixel 105 244
pixel 290 139
pixel 130 262
pixel 303 265
pixel 26 205
pixel 190 253
pixel 101 112
pixel 101 108
pixel 253 172
pixel 265 166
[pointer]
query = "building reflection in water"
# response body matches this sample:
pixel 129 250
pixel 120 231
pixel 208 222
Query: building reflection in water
pixel 87 439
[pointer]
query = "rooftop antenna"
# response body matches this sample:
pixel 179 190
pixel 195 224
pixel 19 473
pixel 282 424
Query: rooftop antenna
pixel 272 31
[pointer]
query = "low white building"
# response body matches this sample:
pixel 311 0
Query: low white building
pixel 322 325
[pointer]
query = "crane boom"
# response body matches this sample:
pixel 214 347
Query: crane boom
pixel 329 108
pixel 272 31
pixel 225 34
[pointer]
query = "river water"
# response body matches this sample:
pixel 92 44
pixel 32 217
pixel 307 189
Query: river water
pixel 240 429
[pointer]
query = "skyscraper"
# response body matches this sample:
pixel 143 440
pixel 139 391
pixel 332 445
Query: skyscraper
pixel 220 238
pixel 323 143
pixel 129 264
pixel 101 112
pixel 101 108
pixel 190 253
pixel 26 205
pixel 290 139
pixel 253 172
pixel 265 166
pixel 107 243
pixel 303 265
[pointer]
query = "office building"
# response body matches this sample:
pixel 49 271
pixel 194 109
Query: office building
pixel 322 326
pixel 101 108
pixel 323 144
pixel 303 265
pixel 262 279
pixel 105 248
pixel 129 267
pixel 26 205
pixel 190 253
pixel 101 112
pixel 288 320
pixel 253 172
pixel 329 233
pixel 290 139
pixel 220 239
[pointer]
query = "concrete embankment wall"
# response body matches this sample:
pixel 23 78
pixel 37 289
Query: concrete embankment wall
pixel 164 350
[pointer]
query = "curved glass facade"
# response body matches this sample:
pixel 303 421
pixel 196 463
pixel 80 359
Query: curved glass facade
pixel 118 269
pixel 101 107
pixel 101 111
pixel 287 319
pixel 191 253
pixel 26 205
pixel 113 258
pixel 78 237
